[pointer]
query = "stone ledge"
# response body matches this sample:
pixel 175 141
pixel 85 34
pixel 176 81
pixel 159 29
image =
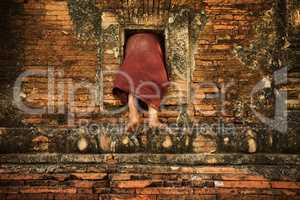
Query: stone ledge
pixel 168 159
pixel 145 140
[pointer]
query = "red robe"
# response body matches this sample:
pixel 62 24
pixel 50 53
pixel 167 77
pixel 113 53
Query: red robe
pixel 142 72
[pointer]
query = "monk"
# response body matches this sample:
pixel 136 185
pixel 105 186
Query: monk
pixel 142 78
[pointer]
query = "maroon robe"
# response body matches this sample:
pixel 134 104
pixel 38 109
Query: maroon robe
pixel 143 73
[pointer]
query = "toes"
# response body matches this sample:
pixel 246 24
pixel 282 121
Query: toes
pixel 163 126
pixel 132 126
pixel 158 125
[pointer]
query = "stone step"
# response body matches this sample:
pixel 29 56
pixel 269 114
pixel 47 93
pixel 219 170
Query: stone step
pixel 149 176
pixel 198 138
pixel 188 159
pixel 294 75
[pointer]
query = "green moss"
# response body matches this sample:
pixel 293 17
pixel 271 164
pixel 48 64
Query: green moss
pixel 258 55
pixel 9 115
pixel 86 18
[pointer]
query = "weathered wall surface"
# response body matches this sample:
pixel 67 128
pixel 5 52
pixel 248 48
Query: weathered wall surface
pixel 240 43
pixel 149 177
pixel 12 56
pixel 49 40
pixel 75 43
pixel 44 40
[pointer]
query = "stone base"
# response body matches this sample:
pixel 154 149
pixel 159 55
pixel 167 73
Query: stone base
pixel 152 176
pixel 114 139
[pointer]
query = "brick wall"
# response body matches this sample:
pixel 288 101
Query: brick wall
pixel 228 24
pixel 51 44
pixel 121 177
pixel 47 40
pixel 37 153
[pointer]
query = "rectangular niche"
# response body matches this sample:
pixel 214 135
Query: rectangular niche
pixel 175 44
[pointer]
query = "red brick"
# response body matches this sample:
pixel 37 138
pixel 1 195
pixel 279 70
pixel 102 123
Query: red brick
pixel 165 190
pixel 47 189
pixel 132 184
pixel 9 190
pixel 234 177
pixel 131 197
pixel 121 177
pixel 90 176
pixel 224 27
pixel 82 184
pixel 21 176
pixel 243 184
pixel 221 46
pixel 285 185
pixel 186 197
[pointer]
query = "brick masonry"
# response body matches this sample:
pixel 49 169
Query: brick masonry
pixel 45 38
pixel 133 176
pixel 240 43
pixel 232 51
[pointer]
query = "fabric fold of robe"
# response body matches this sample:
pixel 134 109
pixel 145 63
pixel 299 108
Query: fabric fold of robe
pixel 143 72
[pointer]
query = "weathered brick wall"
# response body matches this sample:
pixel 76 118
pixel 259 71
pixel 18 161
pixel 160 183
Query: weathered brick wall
pixel 148 177
pixel 293 60
pixel 11 55
pixel 51 43
pixel 232 50
pixel 46 40
pixel 229 24
pixel 40 36
pixel 44 37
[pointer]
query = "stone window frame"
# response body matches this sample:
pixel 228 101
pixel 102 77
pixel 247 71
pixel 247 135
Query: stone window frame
pixel 179 62
pixel 169 55
pixel 191 16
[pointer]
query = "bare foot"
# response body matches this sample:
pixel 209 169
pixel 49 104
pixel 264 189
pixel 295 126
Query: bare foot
pixel 153 119
pixel 134 118
pixel 133 123
pixel 156 124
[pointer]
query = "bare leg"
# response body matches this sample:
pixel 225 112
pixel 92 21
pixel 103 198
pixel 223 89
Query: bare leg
pixel 134 118
pixel 153 118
